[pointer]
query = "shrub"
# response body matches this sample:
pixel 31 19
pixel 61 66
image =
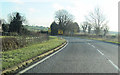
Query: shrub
pixel 9 43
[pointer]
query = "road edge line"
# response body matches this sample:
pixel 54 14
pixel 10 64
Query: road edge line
pixel 26 69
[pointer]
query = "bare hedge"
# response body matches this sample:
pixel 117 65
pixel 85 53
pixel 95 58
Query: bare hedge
pixel 12 43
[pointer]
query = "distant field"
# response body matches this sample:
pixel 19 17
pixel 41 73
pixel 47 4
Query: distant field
pixel 36 28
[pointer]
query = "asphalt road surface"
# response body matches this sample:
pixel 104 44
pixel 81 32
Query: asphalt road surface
pixel 81 56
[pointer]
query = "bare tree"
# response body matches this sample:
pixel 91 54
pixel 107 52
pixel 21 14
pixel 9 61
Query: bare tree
pixel 62 17
pixel 97 19
pixel 72 27
pixel 69 28
pixel 76 27
pixel 84 26
pixel 89 28
pixel 105 30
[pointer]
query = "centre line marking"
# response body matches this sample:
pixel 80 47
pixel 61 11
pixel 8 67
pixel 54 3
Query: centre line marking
pixel 93 46
pixel 88 43
pixel 114 65
pixel 106 58
pixel 100 52
pixel 109 60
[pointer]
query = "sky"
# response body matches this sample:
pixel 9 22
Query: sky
pixel 42 12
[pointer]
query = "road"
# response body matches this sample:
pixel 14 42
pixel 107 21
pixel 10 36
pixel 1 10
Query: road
pixel 81 56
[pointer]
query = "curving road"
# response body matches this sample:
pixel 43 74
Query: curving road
pixel 81 56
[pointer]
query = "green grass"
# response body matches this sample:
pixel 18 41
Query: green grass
pixel 14 57
pixel 111 40
pixel 8 36
pixel 3 36
pixel 107 40
pixel 115 40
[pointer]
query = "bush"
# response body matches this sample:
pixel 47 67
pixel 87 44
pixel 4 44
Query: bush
pixel 9 43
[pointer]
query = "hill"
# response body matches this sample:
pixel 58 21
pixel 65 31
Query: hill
pixel 113 32
pixel 36 28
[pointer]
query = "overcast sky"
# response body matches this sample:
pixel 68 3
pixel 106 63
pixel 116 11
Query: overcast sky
pixel 42 12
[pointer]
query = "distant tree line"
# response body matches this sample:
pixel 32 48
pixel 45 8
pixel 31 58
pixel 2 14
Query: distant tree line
pixel 95 23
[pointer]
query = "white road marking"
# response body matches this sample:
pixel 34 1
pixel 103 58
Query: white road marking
pixel 100 52
pixel 109 60
pixel 89 44
pixel 106 58
pixel 26 69
pixel 93 46
pixel 114 65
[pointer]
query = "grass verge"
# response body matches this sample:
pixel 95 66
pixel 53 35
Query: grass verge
pixel 14 57
pixel 106 40
pixel 114 41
